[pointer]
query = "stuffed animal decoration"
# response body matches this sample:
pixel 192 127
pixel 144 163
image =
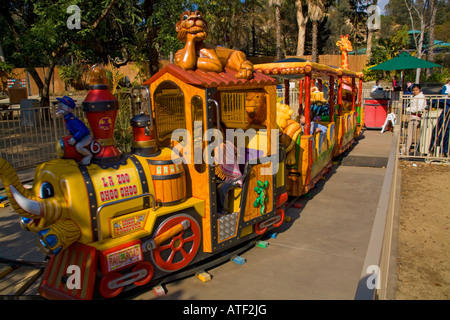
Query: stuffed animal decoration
pixel 196 54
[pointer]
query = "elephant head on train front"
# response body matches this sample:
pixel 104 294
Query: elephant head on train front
pixel 43 208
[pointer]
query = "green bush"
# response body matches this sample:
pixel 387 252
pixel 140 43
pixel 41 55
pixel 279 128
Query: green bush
pixel 123 133
pixel 439 75
pixel 71 75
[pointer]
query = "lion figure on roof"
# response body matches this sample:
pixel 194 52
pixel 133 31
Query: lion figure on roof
pixel 196 54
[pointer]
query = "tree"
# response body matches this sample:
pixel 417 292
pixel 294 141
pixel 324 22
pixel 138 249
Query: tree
pixel 277 4
pixel 370 31
pixel 316 12
pixel 39 35
pixel 339 23
pixel 420 10
pixel 386 48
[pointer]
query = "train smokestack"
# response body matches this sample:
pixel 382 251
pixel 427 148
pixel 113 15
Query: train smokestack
pixel 101 109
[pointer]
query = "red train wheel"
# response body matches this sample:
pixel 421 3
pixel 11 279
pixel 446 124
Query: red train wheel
pixel 258 229
pixel 179 250
pixel 148 268
pixel 105 290
pixel 280 212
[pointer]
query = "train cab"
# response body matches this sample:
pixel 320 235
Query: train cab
pixel 224 130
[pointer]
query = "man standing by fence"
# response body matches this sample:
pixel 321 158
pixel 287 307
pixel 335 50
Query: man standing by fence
pixel 414 111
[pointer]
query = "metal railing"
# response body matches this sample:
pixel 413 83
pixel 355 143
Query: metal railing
pixel 425 128
pixel 28 136
pixel 293 100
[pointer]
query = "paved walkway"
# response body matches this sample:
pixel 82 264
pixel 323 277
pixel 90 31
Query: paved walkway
pixel 318 255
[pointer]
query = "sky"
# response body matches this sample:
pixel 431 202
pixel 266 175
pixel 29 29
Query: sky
pixel 381 4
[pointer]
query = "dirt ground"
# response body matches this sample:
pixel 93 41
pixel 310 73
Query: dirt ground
pixel 423 265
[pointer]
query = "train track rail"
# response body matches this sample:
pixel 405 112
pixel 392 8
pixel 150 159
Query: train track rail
pixel 20 279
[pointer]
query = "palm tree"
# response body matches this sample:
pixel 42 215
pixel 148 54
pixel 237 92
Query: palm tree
pixel 316 12
pixel 277 4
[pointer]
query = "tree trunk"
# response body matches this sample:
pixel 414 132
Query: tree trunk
pixel 419 49
pixel 253 39
pixel 278 26
pixel 2 56
pixel 301 22
pixel 369 42
pixel 431 55
pixel 33 73
pixel 153 54
pixel 315 32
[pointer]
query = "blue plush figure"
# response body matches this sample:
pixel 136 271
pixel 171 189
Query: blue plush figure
pixel 81 137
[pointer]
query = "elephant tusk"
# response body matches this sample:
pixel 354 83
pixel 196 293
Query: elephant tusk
pixel 31 206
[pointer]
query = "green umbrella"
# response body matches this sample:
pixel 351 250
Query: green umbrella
pixel 404 61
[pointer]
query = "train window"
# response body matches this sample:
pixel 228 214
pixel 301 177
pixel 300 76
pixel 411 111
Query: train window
pixel 244 109
pixel 197 108
pixel 169 111
pixel 233 109
pixel 197 122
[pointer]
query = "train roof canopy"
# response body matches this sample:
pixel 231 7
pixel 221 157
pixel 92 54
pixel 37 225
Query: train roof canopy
pixel 213 79
pixel 297 69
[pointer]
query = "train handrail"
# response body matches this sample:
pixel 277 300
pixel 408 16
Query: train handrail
pixel 217 112
pixel 103 206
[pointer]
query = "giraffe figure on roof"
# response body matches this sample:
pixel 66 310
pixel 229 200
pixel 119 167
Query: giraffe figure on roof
pixel 346 46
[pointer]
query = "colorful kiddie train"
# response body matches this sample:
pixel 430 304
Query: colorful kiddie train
pixel 213 161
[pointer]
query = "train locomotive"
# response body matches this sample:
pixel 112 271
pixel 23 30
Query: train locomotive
pixel 131 220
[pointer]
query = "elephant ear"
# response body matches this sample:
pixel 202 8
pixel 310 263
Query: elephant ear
pixel 14 189
pixel 25 203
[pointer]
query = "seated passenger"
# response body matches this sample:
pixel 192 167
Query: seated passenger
pixel 228 170
pixel 315 127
